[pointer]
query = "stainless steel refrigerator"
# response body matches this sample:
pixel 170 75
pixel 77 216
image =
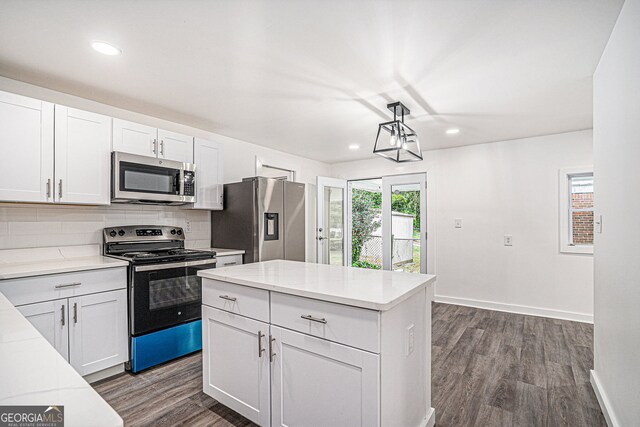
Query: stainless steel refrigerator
pixel 263 216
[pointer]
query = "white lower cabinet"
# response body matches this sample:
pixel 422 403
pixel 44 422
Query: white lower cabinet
pixel 236 367
pixel 329 383
pixel 83 315
pixel 98 331
pixel 50 319
pixel 89 331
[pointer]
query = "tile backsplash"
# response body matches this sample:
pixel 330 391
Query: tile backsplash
pixel 29 226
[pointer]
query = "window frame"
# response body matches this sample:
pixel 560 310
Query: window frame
pixel 564 212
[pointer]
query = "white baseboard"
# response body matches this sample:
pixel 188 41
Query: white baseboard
pixel 430 421
pixel 604 402
pixel 105 373
pixel 519 309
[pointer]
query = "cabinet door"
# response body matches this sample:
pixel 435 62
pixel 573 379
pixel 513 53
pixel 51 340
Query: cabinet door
pixel 207 156
pixel 26 141
pixel 234 370
pixel 329 383
pixel 82 157
pixel 135 138
pixel 51 319
pixel 98 331
pixel 175 146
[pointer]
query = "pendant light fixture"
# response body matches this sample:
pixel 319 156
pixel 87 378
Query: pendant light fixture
pixel 402 144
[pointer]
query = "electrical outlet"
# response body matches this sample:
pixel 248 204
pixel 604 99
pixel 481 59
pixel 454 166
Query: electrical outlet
pixel 508 240
pixel 187 227
pixel 410 340
pixel 458 223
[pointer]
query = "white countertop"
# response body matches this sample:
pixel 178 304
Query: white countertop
pixel 33 373
pixel 372 289
pixel 225 252
pixel 17 263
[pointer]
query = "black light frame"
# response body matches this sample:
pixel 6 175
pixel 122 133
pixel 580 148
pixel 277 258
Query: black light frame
pixel 394 153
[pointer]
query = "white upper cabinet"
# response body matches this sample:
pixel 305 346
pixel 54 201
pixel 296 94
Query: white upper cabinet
pixel 207 157
pixel 26 140
pixel 82 157
pixel 134 138
pixel 175 146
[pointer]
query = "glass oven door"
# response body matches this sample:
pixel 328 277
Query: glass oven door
pixel 165 295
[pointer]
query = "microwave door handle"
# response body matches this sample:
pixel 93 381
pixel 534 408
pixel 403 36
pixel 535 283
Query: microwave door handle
pixel 181 180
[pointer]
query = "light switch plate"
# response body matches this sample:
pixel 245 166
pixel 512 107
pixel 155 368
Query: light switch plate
pixel 410 340
pixel 458 223
pixel 187 227
pixel 508 240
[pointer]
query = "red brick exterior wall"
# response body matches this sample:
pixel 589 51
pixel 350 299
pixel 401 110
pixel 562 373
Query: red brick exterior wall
pixel 582 221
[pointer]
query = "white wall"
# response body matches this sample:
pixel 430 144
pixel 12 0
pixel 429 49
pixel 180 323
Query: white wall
pixel 52 225
pixel 500 188
pixel 616 127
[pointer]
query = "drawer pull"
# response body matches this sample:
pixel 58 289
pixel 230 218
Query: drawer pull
pixel 62 315
pixel 68 285
pixel 260 349
pixel 230 263
pixel 75 312
pixel 315 319
pixel 228 298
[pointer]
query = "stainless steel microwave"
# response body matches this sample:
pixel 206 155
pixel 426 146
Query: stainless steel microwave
pixel 148 180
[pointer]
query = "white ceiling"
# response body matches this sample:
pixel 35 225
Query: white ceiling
pixel 311 77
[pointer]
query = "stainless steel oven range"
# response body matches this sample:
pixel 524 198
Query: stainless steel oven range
pixel 165 292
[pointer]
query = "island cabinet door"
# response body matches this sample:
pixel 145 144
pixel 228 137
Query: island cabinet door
pixel 235 366
pixel 315 382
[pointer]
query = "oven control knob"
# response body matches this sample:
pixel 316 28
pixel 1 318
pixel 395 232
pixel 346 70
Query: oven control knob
pixel 121 233
pixel 173 231
pixel 179 232
pixel 113 233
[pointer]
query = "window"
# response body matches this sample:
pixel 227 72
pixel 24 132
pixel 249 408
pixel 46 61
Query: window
pixel 576 210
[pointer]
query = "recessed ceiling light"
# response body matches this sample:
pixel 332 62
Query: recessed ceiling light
pixel 452 131
pixel 354 147
pixel 105 48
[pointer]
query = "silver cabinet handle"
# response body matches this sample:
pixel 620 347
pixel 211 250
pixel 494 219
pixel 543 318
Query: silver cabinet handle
pixel 162 147
pixel 315 319
pixel 60 189
pixel 228 298
pixel 75 312
pixel 49 188
pixel 260 349
pixel 68 285
pixel 271 353
pixel 62 312
pixel 154 146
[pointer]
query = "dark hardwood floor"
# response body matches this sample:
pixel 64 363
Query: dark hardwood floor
pixel 489 368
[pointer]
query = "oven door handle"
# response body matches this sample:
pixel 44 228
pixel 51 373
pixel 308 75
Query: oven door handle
pixel 153 267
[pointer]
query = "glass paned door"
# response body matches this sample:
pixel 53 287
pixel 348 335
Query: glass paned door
pixel 404 223
pixel 331 232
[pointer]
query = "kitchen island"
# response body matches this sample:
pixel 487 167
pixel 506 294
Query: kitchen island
pixel 292 343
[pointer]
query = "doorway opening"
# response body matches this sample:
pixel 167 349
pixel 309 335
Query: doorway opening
pixel 380 222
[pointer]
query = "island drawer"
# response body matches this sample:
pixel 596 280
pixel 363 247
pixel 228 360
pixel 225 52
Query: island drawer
pixel 353 326
pixel 29 290
pixel 238 299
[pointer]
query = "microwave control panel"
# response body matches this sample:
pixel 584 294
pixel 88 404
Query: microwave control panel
pixel 189 183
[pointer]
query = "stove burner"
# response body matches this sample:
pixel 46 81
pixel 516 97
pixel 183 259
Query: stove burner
pixel 139 254
pixel 181 251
